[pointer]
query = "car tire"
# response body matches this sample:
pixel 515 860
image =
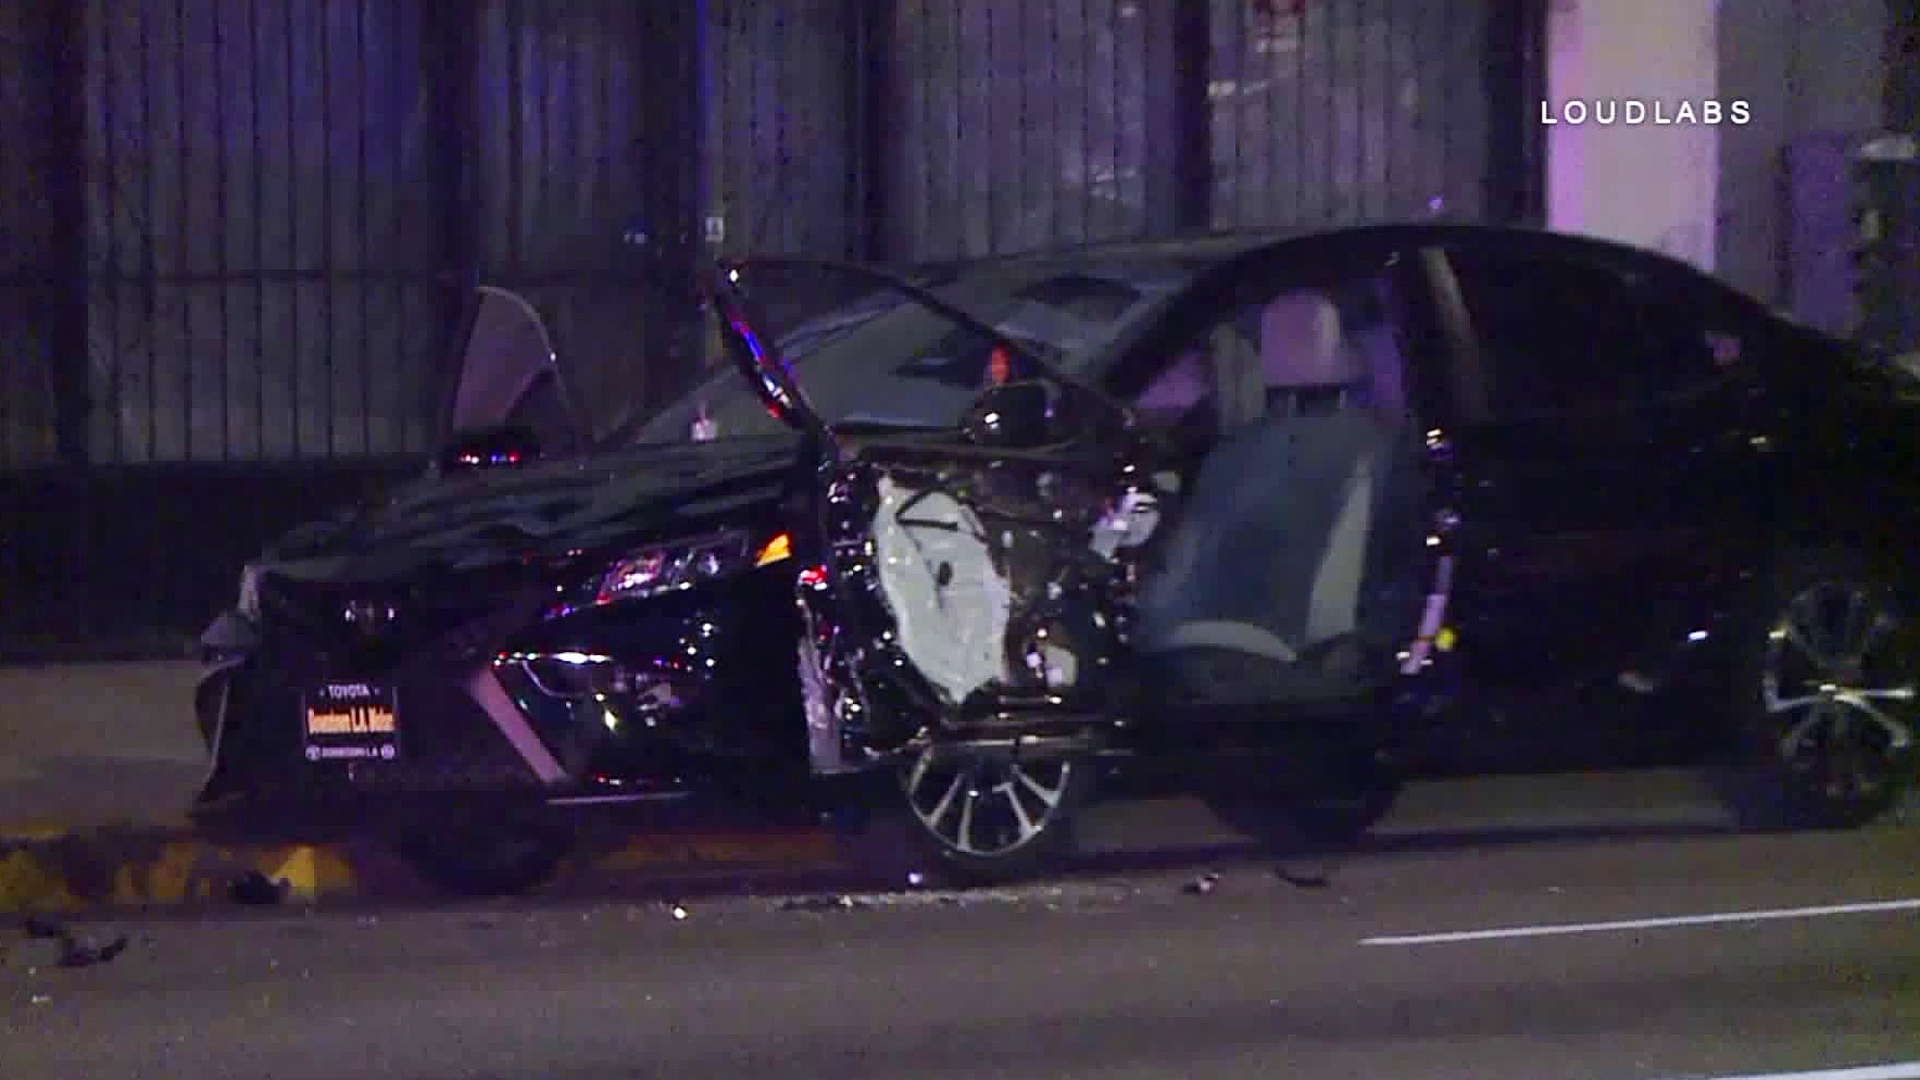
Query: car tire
pixel 488 858
pixel 1803 755
pixel 1329 821
pixel 987 820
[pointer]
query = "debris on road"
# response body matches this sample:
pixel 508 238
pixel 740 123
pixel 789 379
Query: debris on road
pixel 1202 885
pixel 81 952
pixel 678 912
pixel 824 903
pixel 258 889
pixel 1305 879
pixel 46 943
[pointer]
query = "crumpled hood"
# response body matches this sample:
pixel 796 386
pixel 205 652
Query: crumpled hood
pixel 493 517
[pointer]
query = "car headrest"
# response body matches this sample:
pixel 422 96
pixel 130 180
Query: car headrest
pixel 1301 344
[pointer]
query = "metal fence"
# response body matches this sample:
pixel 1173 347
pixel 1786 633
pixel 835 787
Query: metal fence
pixel 586 119
pixel 281 197
pixel 960 128
pixel 261 248
pixel 1020 124
pixel 38 219
pixel 235 231
pixel 284 196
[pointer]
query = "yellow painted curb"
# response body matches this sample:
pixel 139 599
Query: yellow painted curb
pixel 17 832
pixel 112 869
pixel 30 883
pixel 125 867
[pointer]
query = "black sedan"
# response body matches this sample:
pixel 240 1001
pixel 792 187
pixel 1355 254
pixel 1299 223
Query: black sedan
pixel 1267 519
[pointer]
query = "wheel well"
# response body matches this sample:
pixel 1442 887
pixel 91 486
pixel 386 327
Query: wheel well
pixel 1876 521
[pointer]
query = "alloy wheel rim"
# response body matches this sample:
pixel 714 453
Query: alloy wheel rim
pixel 1838 685
pixel 983 807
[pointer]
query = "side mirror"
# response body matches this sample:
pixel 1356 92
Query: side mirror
pixel 488 448
pixel 1012 416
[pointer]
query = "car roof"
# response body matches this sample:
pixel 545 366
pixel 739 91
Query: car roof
pixel 1206 248
pixel 1201 251
pixel 1193 252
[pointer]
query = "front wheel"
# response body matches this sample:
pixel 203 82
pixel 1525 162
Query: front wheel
pixel 487 857
pixel 1825 687
pixel 990 817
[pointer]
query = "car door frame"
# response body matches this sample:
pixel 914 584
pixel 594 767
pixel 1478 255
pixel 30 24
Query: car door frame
pixel 1513 570
pixel 1325 261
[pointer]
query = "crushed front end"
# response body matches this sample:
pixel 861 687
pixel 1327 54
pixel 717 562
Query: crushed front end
pixel 530 683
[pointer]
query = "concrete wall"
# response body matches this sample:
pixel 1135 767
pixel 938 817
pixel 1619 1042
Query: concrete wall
pixel 1707 193
pixel 1645 183
pixel 1808 66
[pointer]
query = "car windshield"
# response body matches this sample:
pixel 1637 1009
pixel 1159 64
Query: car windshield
pixel 885 357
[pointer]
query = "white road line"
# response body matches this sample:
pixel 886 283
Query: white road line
pixel 1552 930
pixel 1905 1070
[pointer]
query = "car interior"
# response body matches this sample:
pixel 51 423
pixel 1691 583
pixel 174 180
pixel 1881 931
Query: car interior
pixel 1277 580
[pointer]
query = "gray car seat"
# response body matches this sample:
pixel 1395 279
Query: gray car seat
pixel 1293 529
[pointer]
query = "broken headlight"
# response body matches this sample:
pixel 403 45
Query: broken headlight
pixel 665 568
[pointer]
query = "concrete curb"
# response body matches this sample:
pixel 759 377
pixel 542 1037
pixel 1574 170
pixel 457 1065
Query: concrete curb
pixel 132 866
pixel 116 868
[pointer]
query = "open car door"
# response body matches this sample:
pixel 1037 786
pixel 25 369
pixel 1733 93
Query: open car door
pixel 961 610
pixel 971 592
pixel 507 379
pixel 965 574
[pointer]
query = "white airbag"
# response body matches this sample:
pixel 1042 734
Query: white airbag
pixel 950 604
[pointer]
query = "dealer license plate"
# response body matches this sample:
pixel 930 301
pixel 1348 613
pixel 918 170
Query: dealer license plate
pixel 350 721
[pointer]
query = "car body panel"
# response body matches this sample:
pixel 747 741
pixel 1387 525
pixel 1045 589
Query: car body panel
pixel 1572 583
pixel 1592 547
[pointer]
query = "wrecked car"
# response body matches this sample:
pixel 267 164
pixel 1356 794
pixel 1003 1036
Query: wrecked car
pixel 1248 517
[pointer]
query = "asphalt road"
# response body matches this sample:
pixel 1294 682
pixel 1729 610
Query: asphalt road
pixel 1099 974
pixel 1107 971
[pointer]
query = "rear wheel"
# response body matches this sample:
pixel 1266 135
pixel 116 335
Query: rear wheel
pixel 1824 699
pixel 992 817
pixel 1335 819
